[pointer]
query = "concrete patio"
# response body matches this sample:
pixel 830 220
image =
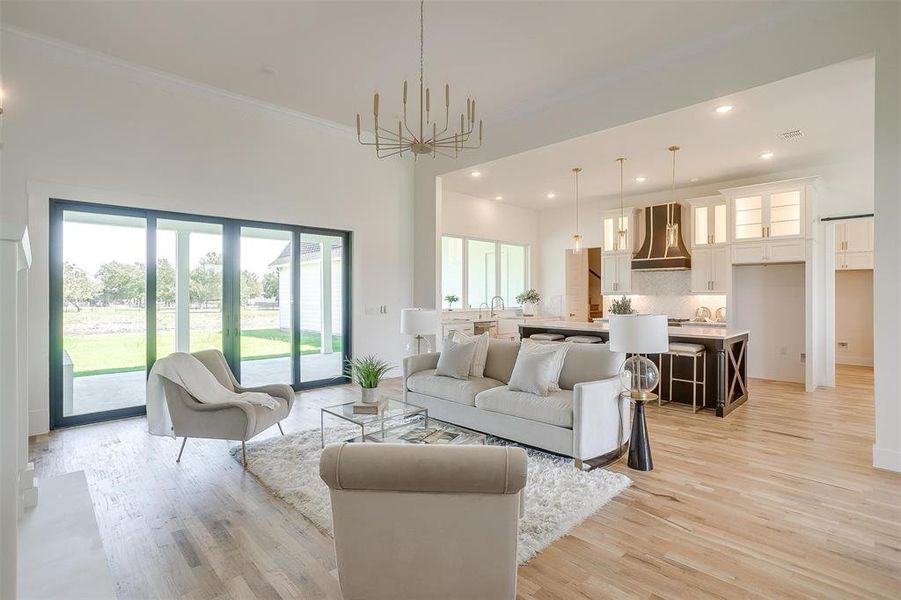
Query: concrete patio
pixel 97 393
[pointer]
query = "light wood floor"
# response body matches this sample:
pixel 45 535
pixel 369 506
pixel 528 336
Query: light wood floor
pixel 777 500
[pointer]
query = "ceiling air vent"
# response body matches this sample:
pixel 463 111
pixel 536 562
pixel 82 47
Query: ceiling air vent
pixel 790 135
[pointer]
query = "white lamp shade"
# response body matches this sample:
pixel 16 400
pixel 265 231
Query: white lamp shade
pixel 418 321
pixel 639 334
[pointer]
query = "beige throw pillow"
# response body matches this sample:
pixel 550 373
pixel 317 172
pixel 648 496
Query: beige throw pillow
pixel 456 358
pixel 557 349
pixel 477 369
pixel 533 373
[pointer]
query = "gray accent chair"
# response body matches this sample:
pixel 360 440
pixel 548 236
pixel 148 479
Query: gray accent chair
pixel 226 420
pixel 423 521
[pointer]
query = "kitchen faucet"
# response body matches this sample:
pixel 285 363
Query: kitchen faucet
pixel 485 304
pixel 494 304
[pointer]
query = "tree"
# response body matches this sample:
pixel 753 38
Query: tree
pixel 270 285
pixel 122 282
pixel 206 279
pixel 165 282
pixel 78 285
pixel 250 287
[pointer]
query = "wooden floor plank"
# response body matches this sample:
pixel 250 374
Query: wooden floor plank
pixel 777 500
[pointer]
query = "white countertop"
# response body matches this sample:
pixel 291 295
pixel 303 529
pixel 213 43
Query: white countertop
pixel 694 331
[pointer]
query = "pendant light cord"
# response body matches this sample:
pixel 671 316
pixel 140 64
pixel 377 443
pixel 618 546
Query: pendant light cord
pixel 577 202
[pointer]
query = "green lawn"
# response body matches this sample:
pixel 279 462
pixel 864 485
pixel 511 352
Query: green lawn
pixel 95 354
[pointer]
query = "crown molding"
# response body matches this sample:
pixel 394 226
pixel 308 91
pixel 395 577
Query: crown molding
pixel 168 80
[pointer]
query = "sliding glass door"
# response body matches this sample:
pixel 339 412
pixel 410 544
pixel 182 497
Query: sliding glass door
pixel 267 306
pixel 130 285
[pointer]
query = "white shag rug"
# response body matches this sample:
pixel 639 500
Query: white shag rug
pixel 557 496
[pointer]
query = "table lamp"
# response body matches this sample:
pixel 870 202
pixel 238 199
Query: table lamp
pixel 639 335
pixel 418 322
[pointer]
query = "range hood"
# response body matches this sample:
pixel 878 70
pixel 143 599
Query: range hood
pixel 654 254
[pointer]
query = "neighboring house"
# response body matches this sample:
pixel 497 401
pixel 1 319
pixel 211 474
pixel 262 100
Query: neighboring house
pixel 311 307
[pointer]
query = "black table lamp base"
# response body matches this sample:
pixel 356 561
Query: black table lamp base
pixel 639 448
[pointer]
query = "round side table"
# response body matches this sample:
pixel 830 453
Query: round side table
pixel 639 447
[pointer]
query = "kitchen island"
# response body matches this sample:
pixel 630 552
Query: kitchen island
pixel 727 382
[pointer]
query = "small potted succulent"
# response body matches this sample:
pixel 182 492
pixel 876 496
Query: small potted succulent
pixel 451 299
pixel 366 371
pixel 529 301
pixel 623 306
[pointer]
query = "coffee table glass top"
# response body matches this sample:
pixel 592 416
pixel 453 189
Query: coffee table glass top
pixel 394 409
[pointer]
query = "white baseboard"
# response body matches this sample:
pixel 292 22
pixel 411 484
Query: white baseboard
pixel 886 458
pixel 855 361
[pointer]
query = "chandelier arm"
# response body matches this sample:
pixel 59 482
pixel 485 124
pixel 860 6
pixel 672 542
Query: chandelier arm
pixel 391 135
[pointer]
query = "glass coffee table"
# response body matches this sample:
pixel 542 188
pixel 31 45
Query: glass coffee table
pixel 400 423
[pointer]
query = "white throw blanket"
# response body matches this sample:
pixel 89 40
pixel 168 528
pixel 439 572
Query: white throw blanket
pixel 188 372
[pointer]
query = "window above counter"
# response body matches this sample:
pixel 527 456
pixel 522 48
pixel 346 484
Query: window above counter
pixel 476 270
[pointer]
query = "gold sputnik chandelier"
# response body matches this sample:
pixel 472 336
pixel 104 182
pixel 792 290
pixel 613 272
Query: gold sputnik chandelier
pixel 429 139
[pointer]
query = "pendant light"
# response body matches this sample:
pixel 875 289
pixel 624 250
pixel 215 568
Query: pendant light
pixel 672 228
pixel 622 233
pixel 577 236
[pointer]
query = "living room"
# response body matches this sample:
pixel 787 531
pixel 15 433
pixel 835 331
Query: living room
pixel 130 129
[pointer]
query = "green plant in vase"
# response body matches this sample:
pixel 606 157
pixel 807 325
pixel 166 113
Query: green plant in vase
pixel 451 299
pixel 623 306
pixel 366 371
pixel 529 300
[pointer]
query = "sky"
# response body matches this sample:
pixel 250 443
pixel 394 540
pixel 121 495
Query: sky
pixel 91 245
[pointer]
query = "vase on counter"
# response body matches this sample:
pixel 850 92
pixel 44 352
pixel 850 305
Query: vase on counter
pixel 529 309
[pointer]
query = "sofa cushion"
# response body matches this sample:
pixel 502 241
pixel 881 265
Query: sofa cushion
pixel 554 409
pixel 501 358
pixel 589 362
pixel 463 391
pixel 456 357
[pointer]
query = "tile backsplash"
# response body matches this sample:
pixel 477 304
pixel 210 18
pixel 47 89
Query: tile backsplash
pixel 667 292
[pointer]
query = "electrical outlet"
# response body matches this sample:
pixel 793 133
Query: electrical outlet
pixel 803 358
pixel 843 345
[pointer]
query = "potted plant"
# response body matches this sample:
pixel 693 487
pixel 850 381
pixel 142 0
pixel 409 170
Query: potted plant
pixel 623 306
pixel 451 299
pixel 529 301
pixel 367 371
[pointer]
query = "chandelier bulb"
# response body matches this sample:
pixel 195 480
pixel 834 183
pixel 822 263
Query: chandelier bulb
pixel 446 95
pixel 428 101
pixel 358 125
pixel 405 91
pixel 375 105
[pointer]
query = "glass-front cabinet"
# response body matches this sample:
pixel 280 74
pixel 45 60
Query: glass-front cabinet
pixel 617 230
pixel 768 221
pixel 708 221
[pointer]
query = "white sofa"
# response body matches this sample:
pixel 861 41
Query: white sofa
pixel 587 419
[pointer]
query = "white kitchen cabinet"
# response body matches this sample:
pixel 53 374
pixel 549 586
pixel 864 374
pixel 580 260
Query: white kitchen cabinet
pixel 850 261
pixel 768 221
pixel 710 270
pixel 855 235
pixel 768 251
pixel 709 226
pixel 611 223
pixel 465 326
pixel 616 273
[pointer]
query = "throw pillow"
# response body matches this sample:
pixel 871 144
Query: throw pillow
pixel 533 373
pixel 557 349
pixel 456 358
pixel 481 354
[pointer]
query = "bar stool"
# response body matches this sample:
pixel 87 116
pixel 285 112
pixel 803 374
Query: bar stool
pixel 692 351
pixel 546 337
pixel 584 339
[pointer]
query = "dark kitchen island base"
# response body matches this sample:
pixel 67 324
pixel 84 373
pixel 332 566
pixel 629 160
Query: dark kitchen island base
pixel 727 382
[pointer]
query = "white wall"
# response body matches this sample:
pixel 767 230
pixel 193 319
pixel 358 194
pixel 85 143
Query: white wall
pixel 81 127
pixel 770 303
pixel 854 317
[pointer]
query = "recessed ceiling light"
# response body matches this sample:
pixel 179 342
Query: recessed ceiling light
pixel 641 179
pixel 724 108
pixel 551 195
pixel 476 173
pixel 695 180
pixel 766 155
pixel 498 197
